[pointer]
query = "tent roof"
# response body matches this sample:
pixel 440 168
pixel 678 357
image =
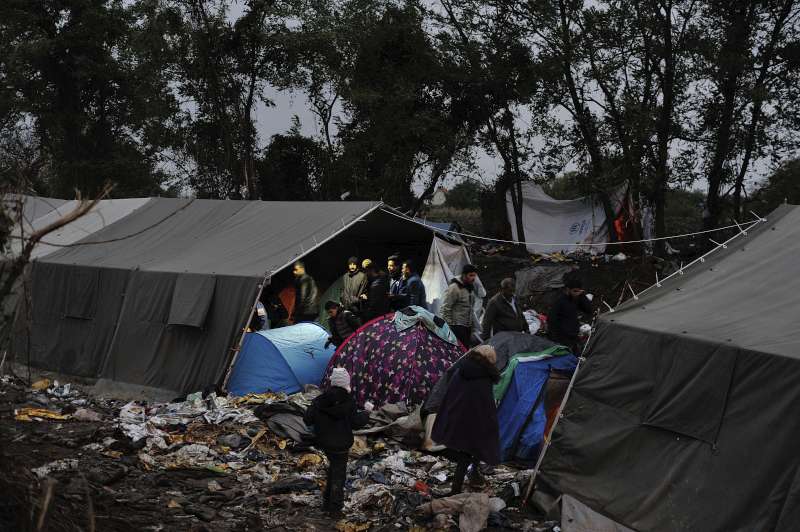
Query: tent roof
pixel 746 296
pixel 105 213
pixel 238 238
pixel 34 207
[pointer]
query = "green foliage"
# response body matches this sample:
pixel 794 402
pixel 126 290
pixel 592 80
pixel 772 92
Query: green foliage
pixel 783 186
pixel 464 195
pixel 291 168
pixel 568 186
pixel 76 68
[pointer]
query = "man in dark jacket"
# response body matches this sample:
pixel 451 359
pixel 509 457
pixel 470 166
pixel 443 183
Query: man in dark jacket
pixel 334 416
pixel 354 284
pixel 376 300
pixel 341 322
pixel 413 291
pixel 466 422
pixel 306 295
pixel 396 283
pixel 562 322
pixel 503 313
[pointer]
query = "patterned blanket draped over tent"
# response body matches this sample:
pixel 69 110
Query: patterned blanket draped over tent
pixel 387 366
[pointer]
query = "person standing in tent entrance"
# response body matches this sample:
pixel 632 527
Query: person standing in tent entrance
pixel 354 285
pixel 413 291
pixel 306 295
pixel 396 283
pixel 563 324
pixel 334 416
pixel 504 313
pixel 341 322
pixel 458 302
pixel 376 300
pixel 466 422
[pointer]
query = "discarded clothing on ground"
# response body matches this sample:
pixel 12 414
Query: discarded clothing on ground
pixel 472 510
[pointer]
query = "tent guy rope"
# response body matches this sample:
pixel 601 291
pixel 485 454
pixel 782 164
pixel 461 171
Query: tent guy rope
pixel 746 225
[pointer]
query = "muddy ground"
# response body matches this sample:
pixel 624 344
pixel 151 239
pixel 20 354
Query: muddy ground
pixel 113 484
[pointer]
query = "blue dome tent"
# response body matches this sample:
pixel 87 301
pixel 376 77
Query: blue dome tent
pixel 281 360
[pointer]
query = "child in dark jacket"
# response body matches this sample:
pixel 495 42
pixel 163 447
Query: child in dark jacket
pixel 334 416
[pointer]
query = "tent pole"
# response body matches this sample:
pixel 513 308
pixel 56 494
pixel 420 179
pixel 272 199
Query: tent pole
pixel 549 435
pixel 236 350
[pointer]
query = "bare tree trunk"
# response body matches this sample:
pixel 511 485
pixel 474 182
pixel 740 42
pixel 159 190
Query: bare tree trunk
pixel 664 127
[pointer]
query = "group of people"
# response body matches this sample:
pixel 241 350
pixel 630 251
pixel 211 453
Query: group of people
pixel 368 292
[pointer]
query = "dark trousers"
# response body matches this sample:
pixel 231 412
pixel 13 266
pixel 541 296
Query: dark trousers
pixel 463 333
pixel 333 498
pixel 462 460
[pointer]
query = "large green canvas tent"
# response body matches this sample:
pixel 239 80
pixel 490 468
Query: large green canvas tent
pixel 684 416
pixel 159 297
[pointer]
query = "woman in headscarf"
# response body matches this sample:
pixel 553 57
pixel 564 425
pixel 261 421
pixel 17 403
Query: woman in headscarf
pixel 466 422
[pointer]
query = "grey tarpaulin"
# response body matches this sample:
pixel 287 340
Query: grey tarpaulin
pixel 577 517
pixel 158 297
pixel 685 414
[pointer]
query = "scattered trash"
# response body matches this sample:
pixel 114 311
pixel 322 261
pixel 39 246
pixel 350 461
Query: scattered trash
pixel 309 460
pixel 534 323
pixel 619 257
pixel 37 414
pixel 472 510
pixel 67 464
pixel 234 441
pixel 41 385
pixel 84 414
pixel 212 460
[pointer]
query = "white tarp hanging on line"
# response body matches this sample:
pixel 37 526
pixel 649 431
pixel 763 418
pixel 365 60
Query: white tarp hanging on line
pixel 445 261
pixel 565 223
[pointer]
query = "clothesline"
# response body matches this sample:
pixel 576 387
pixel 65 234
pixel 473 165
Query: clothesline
pixel 742 227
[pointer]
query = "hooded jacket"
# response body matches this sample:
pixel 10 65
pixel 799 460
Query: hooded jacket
pixel 334 416
pixel 353 285
pixel 467 416
pixel 457 304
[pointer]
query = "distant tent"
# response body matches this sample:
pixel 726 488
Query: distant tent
pixel 684 416
pixel 390 366
pixel 281 360
pixel 445 229
pixel 549 222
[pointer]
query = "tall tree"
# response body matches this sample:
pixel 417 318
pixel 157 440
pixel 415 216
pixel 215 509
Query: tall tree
pixel 748 110
pixel 398 120
pixel 73 71
pixel 224 63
